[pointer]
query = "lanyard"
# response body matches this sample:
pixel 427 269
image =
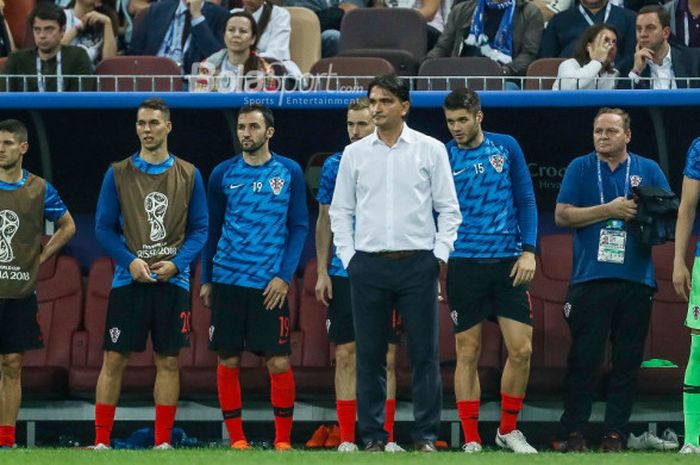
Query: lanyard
pixel 41 80
pixel 686 32
pixel 588 18
pixel 627 179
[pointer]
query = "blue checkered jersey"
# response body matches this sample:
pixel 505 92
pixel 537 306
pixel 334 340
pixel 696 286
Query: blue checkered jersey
pixel 329 173
pixel 258 222
pixel 496 198
pixel 692 170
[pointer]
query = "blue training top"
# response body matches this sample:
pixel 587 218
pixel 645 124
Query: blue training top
pixel 54 208
pixel 692 171
pixel 329 174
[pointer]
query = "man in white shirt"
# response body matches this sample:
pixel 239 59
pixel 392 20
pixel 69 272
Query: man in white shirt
pixel 390 183
pixel 657 64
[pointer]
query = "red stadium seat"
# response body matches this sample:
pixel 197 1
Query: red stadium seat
pixel 87 355
pixel 60 298
pixel 146 66
pixel 16 12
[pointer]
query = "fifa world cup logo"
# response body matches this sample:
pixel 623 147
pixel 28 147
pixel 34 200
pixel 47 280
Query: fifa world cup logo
pixel 9 224
pixel 156 204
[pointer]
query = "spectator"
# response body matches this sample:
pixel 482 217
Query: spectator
pixel 431 11
pixel 330 13
pixel 7 44
pixel 137 5
pixel 274 28
pixel 49 61
pixel 562 32
pixel 593 64
pixel 237 66
pixel 92 28
pixel 186 31
pixel 657 64
pixel 685 21
pixel 507 31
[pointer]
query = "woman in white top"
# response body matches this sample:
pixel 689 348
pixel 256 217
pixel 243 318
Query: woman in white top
pixel 275 27
pixel 593 64
pixel 94 30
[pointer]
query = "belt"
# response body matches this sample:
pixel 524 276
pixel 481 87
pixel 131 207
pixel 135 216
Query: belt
pixel 396 254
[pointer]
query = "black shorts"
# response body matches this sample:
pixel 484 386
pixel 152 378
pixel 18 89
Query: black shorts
pixel 19 325
pixel 239 321
pixel 481 289
pixel 339 323
pixel 135 310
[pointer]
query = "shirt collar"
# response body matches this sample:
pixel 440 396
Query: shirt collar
pixel 665 63
pixel 181 8
pixel 406 136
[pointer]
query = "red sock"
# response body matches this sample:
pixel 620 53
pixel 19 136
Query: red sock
pixel 7 435
pixel 104 419
pixel 165 418
pixel 389 420
pixel 510 408
pixel 229 387
pixel 282 397
pixel 347 411
pixel 468 411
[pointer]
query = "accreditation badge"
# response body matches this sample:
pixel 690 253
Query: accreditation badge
pixel 611 246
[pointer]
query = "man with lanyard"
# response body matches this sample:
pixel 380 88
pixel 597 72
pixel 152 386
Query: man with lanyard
pixel 259 222
pixel 612 284
pixel 50 60
pixel 26 201
pixel 186 31
pixel 333 291
pixel 563 30
pixel 682 283
pixel 152 220
pixel 493 261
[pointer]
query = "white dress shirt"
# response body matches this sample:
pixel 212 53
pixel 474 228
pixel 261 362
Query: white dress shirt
pixel 662 76
pixel 390 193
pixel 571 76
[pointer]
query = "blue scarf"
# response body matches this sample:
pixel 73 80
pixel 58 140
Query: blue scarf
pixel 499 49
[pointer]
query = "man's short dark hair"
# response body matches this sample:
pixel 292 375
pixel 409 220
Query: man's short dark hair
pixel 264 111
pixel 48 12
pixel 626 121
pixel 156 103
pixel 661 13
pixel 15 127
pixel 463 99
pixel 358 104
pixel 392 84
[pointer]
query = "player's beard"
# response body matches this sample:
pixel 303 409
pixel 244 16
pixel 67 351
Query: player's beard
pixel 471 134
pixel 255 147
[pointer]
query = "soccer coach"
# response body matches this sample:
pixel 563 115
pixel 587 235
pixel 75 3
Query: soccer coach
pixel 388 185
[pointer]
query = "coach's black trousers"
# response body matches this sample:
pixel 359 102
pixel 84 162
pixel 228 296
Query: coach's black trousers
pixel 378 285
pixel 595 310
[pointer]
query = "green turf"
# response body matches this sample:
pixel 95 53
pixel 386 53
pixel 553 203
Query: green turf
pixel 226 457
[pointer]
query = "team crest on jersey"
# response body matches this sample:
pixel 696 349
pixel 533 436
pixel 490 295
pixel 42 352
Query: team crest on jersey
pixel 114 334
pixel 328 325
pixel 497 162
pixel 567 309
pixel 635 180
pixel 211 333
pixel 277 184
pixel 696 312
pixel 9 224
pixel 455 316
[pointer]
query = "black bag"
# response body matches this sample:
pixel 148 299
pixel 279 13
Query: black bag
pixel 657 210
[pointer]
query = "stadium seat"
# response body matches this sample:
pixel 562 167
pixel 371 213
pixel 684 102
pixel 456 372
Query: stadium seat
pixel 668 337
pixel 540 68
pixel 372 32
pixel 16 12
pixel 110 69
pixel 305 38
pixel 312 171
pixel 313 371
pixel 60 298
pixel 139 375
pixel 326 70
pixel 2 64
pixel 460 68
